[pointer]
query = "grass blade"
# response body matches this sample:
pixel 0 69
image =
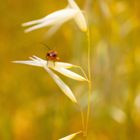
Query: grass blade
pixel 65 88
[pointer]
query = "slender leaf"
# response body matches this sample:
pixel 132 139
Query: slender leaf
pixel 65 88
pixel 70 74
pixel 71 136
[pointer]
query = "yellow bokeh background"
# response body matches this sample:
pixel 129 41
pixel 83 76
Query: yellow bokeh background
pixel 32 107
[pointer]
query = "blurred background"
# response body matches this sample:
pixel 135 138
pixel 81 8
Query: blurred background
pixel 32 107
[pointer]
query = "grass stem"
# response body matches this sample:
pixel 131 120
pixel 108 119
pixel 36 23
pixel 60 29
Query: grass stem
pixel 89 83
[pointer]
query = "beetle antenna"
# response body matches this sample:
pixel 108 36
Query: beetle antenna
pixel 46 46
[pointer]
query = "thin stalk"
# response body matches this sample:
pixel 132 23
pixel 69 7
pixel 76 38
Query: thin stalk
pixel 82 118
pixel 89 83
pixel 82 72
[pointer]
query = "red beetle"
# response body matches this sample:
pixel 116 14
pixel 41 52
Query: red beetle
pixel 52 55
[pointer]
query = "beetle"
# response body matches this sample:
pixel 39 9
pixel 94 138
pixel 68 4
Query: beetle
pixel 52 55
